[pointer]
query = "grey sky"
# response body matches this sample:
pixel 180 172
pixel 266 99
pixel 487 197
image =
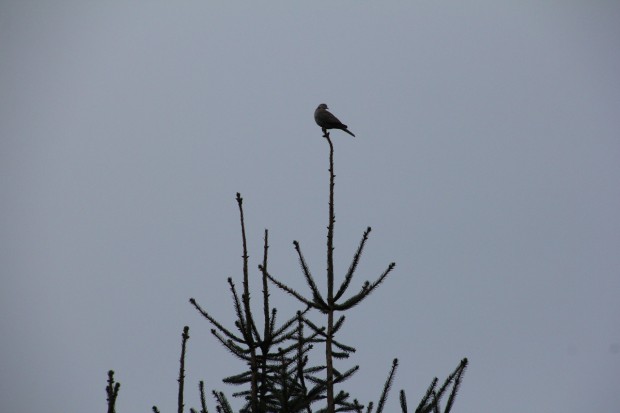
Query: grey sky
pixel 487 161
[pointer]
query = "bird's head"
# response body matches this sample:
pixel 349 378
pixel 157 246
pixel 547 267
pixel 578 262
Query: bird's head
pixel 322 106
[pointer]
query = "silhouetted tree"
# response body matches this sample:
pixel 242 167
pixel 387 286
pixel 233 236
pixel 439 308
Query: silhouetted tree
pixel 278 376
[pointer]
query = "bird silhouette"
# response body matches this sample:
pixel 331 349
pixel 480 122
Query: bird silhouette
pixel 326 120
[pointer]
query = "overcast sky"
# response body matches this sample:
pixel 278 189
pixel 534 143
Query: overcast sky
pixel 487 162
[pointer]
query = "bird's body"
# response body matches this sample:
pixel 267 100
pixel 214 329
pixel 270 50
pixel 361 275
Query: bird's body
pixel 326 120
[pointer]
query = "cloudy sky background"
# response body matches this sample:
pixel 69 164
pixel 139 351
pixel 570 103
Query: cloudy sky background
pixel 487 161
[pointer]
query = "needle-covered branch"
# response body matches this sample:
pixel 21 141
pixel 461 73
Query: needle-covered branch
pixel 112 392
pixel 213 321
pixel 287 289
pixel 387 386
pixel 426 396
pixel 431 400
pixel 353 266
pixel 181 379
pixel 238 351
pixel 292 320
pixel 203 401
pixel 403 401
pixel 366 289
pixel 316 294
pixel 222 402
pixel 267 324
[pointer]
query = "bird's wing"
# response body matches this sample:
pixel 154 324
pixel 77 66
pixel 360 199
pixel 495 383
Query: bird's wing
pixel 331 120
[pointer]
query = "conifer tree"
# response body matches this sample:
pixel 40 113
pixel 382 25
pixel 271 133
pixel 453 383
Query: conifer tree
pixel 278 376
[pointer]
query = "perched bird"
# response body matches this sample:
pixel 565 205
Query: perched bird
pixel 326 120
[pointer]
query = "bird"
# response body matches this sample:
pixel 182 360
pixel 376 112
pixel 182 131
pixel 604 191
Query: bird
pixel 326 120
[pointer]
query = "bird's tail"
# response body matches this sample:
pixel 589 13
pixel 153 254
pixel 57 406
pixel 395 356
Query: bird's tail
pixel 349 132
